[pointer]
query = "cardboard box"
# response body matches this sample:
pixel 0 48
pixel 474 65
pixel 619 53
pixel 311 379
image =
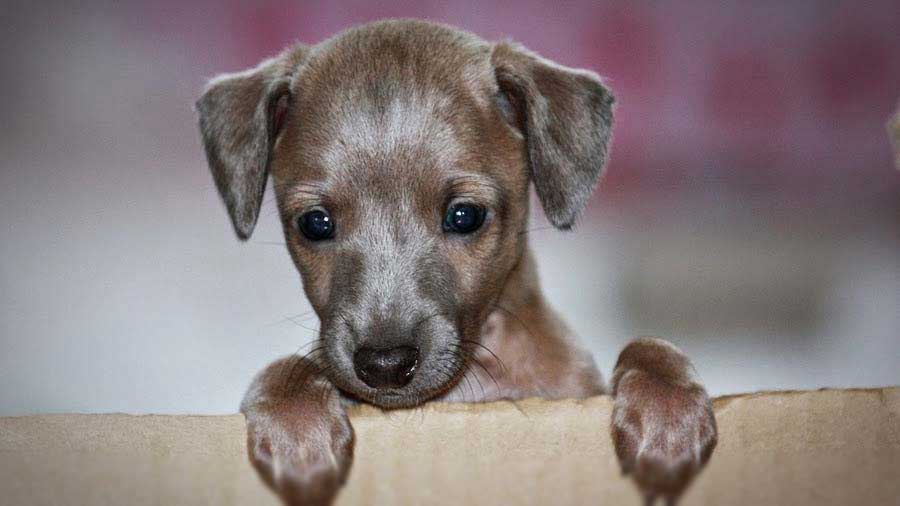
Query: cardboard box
pixel 818 448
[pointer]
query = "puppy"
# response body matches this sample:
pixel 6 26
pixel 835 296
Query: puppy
pixel 401 154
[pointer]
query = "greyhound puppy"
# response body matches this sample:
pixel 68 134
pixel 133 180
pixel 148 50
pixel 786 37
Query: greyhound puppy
pixel 401 153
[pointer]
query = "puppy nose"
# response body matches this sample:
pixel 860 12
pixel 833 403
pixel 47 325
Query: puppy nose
pixel 386 368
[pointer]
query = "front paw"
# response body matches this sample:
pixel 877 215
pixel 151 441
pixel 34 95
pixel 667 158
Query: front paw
pixel 303 456
pixel 664 432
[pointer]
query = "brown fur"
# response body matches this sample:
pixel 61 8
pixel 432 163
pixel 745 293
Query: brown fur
pixel 385 126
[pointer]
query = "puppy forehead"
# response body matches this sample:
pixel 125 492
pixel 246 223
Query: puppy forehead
pixel 404 133
pixel 391 107
pixel 410 138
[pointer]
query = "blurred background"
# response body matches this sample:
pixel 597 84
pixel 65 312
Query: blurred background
pixel 750 213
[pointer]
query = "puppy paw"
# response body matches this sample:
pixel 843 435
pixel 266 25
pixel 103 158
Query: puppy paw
pixel 304 459
pixel 664 432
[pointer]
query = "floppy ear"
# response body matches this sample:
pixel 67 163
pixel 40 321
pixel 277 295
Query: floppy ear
pixel 240 116
pixel 566 117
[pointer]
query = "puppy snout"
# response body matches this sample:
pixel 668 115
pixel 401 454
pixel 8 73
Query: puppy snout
pixel 386 367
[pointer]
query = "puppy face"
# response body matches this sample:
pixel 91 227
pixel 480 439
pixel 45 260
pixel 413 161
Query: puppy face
pixel 401 155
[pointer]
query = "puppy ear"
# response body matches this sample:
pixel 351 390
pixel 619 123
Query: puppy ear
pixel 566 117
pixel 240 116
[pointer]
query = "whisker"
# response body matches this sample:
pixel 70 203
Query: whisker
pixel 454 373
pixel 293 363
pixel 486 370
pixel 465 369
pixel 297 323
pixel 293 318
pixel 480 386
pixel 536 229
pixel 302 315
pixel 309 361
pixel 503 368
pixel 445 371
pixel 323 372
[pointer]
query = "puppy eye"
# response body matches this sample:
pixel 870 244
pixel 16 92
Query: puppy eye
pixel 463 218
pixel 316 225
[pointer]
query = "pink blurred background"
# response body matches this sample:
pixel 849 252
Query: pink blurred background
pixel 750 213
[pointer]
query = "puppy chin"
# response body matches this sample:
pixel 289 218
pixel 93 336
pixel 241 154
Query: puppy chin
pixel 396 400
pixel 410 396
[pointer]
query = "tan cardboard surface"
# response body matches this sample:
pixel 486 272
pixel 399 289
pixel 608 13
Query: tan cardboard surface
pixel 792 448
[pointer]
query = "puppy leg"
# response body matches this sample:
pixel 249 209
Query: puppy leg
pixel 299 438
pixel 663 426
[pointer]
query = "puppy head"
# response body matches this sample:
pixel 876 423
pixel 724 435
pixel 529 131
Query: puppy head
pixel 401 154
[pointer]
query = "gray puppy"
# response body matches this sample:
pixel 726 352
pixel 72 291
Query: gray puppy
pixel 401 154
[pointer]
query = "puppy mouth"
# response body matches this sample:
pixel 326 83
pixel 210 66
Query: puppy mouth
pixel 395 400
pixel 432 380
pixel 398 399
